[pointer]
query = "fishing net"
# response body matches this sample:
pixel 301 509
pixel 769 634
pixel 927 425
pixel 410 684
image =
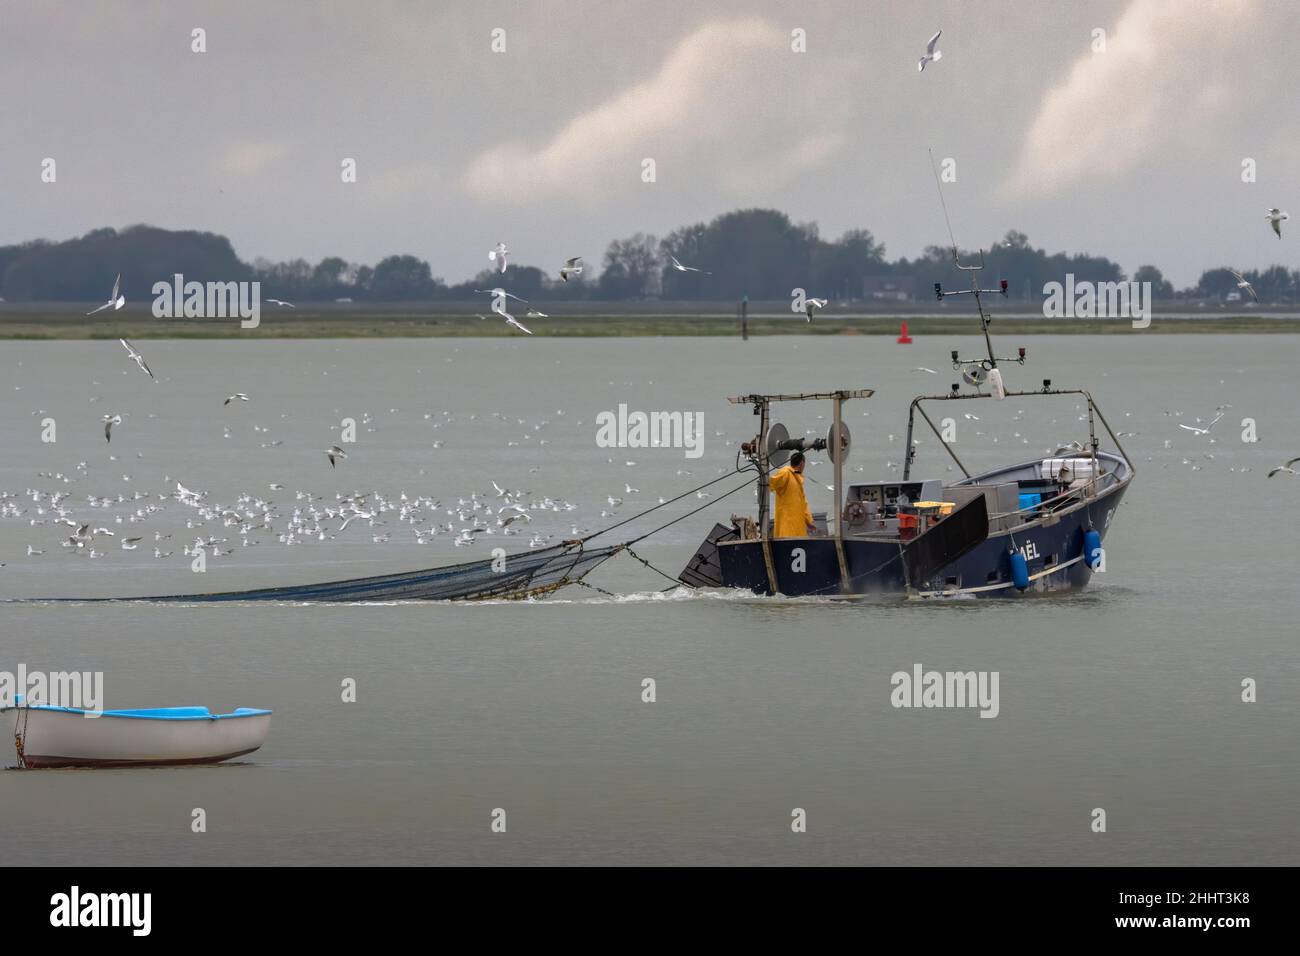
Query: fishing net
pixel 523 575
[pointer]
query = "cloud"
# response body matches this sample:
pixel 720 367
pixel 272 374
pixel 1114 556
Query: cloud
pixel 1161 83
pixel 720 111
pixel 248 158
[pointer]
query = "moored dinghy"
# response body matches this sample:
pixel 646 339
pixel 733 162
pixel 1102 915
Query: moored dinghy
pixel 48 736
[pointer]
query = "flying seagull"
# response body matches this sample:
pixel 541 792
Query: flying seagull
pixel 922 368
pixel 1201 431
pixel 334 452
pixel 1243 284
pixel 510 319
pixel 1289 468
pixel 109 422
pixel 238 395
pixel 681 268
pixel 282 302
pixel 117 300
pixel 534 314
pixel 932 53
pixel 812 305
pixel 500 291
pixel 571 267
pixel 139 359
pixel 499 255
pixel 1274 216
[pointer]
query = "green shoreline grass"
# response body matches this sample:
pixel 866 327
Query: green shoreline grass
pixel 306 324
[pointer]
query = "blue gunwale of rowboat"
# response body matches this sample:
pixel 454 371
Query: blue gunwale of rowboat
pixel 154 713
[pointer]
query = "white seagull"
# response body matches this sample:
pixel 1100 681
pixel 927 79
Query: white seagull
pixel 498 291
pixel 812 305
pixel 1289 468
pixel 1201 431
pixel 571 267
pixel 281 302
pixel 335 452
pixel 1243 284
pixel 109 422
pixel 139 359
pixel 510 319
pixel 681 268
pixel 498 255
pixel 932 53
pixel 534 314
pixel 115 301
pixel 237 396
pixel 1275 217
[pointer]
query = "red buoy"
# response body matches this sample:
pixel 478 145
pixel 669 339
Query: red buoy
pixel 903 337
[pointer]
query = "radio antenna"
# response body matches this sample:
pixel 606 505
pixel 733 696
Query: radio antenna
pixel 943 205
pixel 991 363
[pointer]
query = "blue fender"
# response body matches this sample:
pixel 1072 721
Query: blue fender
pixel 1092 548
pixel 1019 570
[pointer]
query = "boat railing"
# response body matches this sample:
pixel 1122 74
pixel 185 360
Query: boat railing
pixel 955 396
pixel 1090 489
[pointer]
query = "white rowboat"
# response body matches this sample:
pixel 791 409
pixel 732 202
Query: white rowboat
pixel 47 736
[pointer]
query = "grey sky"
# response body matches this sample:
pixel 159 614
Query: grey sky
pixel 1134 153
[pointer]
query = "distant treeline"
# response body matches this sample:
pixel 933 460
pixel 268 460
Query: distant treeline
pixel 757 253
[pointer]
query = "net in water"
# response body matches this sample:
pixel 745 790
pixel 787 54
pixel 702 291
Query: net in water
pixel 522 575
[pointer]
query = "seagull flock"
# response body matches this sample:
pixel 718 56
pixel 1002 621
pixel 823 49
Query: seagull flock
pixel 221 529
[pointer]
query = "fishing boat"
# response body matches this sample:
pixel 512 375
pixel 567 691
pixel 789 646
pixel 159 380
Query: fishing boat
pixel 49 736
pixel 1026 528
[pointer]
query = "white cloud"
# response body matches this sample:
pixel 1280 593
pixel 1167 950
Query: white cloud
pixel 1161 84
pixel 248 158
pixel 723 110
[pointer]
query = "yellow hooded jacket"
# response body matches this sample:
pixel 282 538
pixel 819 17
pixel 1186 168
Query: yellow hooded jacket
pixel 792 514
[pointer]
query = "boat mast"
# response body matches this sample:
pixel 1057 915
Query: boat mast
pixel 987 364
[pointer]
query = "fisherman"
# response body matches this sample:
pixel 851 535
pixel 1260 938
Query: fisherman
pixel 793 519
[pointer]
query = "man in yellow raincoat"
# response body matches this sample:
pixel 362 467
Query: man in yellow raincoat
pixel 793 519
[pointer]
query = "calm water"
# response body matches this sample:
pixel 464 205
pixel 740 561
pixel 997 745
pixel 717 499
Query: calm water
pixel 1126 696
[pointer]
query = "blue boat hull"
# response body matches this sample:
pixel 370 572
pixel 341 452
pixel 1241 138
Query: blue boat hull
pixel 1053 554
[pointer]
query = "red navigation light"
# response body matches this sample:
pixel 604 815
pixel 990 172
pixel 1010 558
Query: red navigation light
pixel 1022 353
pixel 1004 286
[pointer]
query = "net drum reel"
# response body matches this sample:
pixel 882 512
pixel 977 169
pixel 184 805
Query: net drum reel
pixel 780 445
pixel 834 448
pixel 777 435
